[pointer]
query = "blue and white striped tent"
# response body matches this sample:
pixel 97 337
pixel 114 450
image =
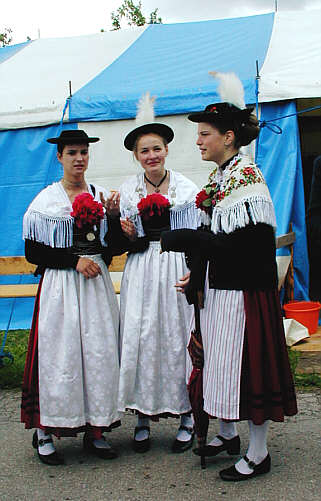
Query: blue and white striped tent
pixel 110 71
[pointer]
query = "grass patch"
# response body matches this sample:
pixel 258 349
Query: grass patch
pixel 11 374
pixel 294 357
pixel 304 381
pixel 307 381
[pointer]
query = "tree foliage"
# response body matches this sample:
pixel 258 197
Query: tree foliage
pixel 153 19
pixel 5 37
pixel 133 15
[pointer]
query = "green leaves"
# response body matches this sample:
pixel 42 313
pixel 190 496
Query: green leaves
pixel 133 15
pixel 207 202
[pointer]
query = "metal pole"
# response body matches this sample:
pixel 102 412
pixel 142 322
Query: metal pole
pixel 257 79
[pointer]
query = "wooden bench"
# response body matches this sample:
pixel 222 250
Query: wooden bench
pixel 18 265
pixel 285 265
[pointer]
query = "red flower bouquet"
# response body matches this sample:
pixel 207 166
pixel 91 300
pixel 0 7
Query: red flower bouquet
pixel 86 211
pixel 203 201
pixel 208 197
pixel 152 205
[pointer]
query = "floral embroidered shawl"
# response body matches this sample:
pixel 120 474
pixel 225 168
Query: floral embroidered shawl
pixel 238 195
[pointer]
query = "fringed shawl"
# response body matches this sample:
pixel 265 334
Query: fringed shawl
pixel 181 195
pixel 243 197
pixel 48 218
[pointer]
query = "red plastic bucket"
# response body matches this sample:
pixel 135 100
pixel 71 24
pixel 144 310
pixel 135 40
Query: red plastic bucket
pixel 305 312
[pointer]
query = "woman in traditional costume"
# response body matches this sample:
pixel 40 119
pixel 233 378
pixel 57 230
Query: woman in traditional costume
pixel 246 373
pixel 72 366
pixel 154 319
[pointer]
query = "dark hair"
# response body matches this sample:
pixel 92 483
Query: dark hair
pixel 61 146
pixel 245 132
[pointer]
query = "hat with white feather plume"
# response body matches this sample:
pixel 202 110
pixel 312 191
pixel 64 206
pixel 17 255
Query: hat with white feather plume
pixel 232 106
pixel 145 123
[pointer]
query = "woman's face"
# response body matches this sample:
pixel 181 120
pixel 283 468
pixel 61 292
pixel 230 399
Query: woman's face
pixel 211 143
pixel 151 153
pixel 74 159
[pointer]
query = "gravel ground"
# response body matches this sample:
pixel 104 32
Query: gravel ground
pixel 295 447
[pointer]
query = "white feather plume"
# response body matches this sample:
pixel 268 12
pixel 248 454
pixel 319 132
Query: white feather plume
pixel 145 110
pixel 230 88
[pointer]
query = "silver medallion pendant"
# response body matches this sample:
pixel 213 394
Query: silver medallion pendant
pixel 90 236
pixel 157 190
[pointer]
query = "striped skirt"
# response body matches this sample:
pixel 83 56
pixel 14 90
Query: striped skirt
pixel 246 371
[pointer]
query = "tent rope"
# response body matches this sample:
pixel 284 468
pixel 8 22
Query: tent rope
pixel 275 128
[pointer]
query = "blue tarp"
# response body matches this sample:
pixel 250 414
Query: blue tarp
pixel 28 164
pixel 172 62
pixel 11 50
pixel 279 157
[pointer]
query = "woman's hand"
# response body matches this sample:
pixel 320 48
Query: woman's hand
pixel 88 267
pixel 112 203
pixel 183 282
pixel 128 228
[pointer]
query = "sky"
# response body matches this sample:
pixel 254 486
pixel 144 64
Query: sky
pixel 63 18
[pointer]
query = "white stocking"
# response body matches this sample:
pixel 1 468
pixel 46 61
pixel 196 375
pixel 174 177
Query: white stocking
pixel 257 450
pixel 142 434
pixel 183 435
pixel 45 449
pixel 228 430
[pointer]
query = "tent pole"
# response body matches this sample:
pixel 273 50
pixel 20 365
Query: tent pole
pixel 257 79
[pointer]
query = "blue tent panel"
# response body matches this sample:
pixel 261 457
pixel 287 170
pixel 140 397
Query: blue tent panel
pixel 171 61
pixel 279 157
pixel 29 164
pixel 11 50
pixel 22 313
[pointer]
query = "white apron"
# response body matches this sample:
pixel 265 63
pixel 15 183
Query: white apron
pixel 155 318
pixel 78 338
pixel 78 349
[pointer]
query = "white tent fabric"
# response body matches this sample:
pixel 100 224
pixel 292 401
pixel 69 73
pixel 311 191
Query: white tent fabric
pixel 292 67
pixel 111 163
pixel 34 83
pixel 107 77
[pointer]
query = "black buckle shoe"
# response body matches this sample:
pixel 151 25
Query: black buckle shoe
pixel 51 459
pixel 231 446
pixel 141 445
pixel 100 452
pixel 231 474
pixel 180 445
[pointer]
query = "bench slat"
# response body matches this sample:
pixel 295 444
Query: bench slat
pixel 30 290
pixel 18 290
pixel 16 265
pixel 285 240
pixel 118 263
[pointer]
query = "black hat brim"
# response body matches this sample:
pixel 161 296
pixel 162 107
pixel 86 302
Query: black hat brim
pixel 72 140
pixel 161 130
pixel 210 117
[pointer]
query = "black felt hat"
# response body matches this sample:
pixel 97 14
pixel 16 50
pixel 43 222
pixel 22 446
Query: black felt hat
pixel 221 112
pixel 73 137
pixel 154 128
